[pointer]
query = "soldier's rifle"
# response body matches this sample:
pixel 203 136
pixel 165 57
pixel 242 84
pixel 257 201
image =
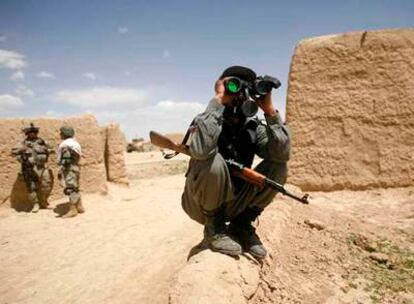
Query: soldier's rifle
pixel 236 169
pixel 22 152
pixel 26 165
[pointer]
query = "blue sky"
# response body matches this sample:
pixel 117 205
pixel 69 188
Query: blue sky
pixel 153 64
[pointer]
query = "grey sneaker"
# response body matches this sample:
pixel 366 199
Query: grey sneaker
pixel 249 240
pixel 215 233
pixel 221 242
pixel 241 227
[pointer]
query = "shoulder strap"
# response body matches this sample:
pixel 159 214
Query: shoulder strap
pixel 183 142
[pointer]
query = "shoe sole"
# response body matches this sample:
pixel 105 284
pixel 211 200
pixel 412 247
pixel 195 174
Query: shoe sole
pixel 230 253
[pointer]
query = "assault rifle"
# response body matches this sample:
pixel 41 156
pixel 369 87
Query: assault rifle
pixel 26 166
pixel 236 169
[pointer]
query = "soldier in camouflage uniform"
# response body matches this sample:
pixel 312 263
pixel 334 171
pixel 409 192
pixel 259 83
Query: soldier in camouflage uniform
pixel 69 153
pixel 211 195
pixel 33 154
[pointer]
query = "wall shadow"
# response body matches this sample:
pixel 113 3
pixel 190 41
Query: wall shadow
pixel 19 199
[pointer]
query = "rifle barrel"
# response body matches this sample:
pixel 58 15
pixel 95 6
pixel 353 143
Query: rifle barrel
pixel 284 191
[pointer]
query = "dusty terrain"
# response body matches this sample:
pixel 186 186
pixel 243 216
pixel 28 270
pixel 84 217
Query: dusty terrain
pixel 131 246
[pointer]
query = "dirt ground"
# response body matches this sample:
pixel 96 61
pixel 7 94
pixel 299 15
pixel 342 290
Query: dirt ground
pixel 346 247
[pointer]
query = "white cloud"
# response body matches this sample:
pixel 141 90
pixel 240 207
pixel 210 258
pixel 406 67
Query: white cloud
pixel 12 60
pixel 17 76
pixel 122 30
pixel 89 75
pixel 24 91
pixel 103 96
pixel 45 74
pixel 182 107
pixel 3 38
pixel 166 54
pixel 9 102
pixel 166 116
pixel 54 114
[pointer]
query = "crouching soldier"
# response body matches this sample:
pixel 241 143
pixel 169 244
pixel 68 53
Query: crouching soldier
pixel 33 154
pixel 69 153
pixel 211 195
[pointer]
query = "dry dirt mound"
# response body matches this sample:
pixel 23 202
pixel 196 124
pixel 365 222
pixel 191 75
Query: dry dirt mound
pixel 327 252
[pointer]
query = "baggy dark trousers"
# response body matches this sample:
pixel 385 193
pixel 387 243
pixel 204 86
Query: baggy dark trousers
pixel 209 187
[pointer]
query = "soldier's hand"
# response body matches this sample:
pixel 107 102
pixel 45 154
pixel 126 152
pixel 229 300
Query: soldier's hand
pixel 265 103
pixel 221 95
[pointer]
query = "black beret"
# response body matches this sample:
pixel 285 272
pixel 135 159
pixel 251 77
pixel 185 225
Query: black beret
pixel 239 71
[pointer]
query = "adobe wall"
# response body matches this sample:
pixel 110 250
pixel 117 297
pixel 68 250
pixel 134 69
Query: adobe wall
pixel 350 106
pixel 114 155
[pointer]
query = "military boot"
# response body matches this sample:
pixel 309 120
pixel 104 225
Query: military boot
pixel 79 207
pixel 241 227
pixel 35 208
pixel 43 203
pixel 215 233
pixel 72 212
pixel 35 201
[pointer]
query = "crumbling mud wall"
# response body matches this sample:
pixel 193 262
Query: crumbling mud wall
pixel 350 106
pixel 89 134
pixel 114 154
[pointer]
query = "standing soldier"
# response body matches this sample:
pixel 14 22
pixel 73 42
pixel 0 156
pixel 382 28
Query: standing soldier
pixel 69 153
pixel 33 154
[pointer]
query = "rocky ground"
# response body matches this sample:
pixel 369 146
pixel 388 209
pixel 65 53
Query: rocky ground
pixel 132 246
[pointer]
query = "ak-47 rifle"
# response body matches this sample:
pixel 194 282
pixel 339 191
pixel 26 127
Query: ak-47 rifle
pixel 236 169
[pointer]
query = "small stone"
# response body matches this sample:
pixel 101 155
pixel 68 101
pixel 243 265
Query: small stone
pixel 345 289
pixel 364 243
pixel 315 224
pixel 379 257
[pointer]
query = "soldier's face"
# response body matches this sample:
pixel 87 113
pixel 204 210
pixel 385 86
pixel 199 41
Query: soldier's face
pixel 32 135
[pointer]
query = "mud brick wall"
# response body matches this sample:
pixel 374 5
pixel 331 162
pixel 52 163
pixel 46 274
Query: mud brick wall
pixel 114 154
pixel 350 106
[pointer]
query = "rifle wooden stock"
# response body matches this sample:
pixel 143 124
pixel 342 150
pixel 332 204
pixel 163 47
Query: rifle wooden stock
pixel 236 169
pixel 166 143
pixel 247 174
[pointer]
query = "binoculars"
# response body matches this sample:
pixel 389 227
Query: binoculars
pixel 251 91
pixel 260 87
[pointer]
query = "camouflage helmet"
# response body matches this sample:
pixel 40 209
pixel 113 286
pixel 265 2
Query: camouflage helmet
pixel 67 131
pixel 30 128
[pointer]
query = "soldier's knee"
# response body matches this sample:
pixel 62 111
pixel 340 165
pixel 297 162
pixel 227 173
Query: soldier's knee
pixel 74 197
pixel 32 195
pixel 218 167
pixel 212 169
pixel 73 193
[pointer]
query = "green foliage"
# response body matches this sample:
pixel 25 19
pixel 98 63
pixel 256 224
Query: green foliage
pixel 383 278
pixel 397 274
